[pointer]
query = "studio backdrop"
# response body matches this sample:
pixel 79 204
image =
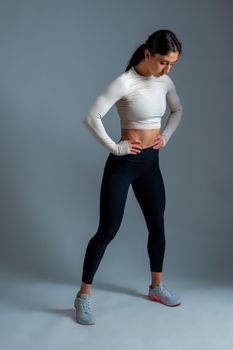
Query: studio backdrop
pixel 55 58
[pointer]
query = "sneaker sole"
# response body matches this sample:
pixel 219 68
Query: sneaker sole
pixel 158 300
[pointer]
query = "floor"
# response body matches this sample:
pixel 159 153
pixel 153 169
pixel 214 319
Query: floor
pixel 40 315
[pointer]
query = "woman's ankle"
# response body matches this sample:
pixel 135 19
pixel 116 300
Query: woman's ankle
pixel 84 289
pixel 83 292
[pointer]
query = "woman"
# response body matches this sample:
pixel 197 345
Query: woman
pixel 140 94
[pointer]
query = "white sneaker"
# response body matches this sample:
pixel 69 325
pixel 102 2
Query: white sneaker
pixel 84 312
pixel 162 295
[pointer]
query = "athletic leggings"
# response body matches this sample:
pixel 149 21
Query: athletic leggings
pixel 142 171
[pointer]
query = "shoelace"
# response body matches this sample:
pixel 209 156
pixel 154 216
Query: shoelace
pixel 165 290
pixel 86 305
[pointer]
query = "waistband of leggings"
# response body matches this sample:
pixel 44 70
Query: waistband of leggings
pixel 148 149
pixel 143 153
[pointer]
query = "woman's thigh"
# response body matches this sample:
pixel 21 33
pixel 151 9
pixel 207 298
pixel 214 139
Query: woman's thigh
pixel 150 193
pixel 113 194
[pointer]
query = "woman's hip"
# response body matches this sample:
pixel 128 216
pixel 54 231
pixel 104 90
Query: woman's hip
pixel 132 164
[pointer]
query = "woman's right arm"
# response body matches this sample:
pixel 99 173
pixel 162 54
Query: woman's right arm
pixel 102 104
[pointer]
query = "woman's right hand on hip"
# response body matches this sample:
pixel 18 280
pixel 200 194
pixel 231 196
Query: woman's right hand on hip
pixel 135 146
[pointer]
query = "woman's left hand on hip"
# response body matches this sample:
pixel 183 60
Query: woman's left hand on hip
pixel 159 142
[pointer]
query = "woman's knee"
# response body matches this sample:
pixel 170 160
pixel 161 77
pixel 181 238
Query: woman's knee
pixel 106 234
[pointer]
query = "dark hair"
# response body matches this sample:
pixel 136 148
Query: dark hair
pixel 162 42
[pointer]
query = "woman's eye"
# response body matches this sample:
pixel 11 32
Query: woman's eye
pixel 172 64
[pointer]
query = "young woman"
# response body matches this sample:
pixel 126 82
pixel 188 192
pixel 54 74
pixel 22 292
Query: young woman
pixel 140 94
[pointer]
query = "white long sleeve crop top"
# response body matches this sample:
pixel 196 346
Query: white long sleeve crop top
pixel 140 102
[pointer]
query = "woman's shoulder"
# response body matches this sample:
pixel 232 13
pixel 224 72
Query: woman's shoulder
pixel 124 77
pixel 120 82
pixel 169 82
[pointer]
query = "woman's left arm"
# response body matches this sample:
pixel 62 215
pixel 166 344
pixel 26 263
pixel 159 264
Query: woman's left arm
pixel 176 111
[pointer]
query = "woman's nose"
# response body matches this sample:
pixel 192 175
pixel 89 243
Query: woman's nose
pixel 167 68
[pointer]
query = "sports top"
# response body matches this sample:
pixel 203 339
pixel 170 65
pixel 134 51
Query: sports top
pixel 140 102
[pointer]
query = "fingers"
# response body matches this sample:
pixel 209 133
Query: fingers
pixel 135 146
pixel 135 150
pixel 158 142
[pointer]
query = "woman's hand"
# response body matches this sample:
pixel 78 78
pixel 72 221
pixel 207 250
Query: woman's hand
pixel 159 142
pixel 135 146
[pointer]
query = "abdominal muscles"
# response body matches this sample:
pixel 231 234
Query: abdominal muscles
pixel 146 136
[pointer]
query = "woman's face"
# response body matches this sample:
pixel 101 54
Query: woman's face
pixel 160 64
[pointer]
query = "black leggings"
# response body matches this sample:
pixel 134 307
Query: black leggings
pixel 142 171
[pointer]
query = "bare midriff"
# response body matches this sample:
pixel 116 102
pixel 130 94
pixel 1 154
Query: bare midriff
pixel 146 136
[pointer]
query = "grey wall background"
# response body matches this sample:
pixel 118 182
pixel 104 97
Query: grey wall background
pixel 55 57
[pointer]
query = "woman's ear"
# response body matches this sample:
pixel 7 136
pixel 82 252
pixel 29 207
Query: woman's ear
pixel 147 54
